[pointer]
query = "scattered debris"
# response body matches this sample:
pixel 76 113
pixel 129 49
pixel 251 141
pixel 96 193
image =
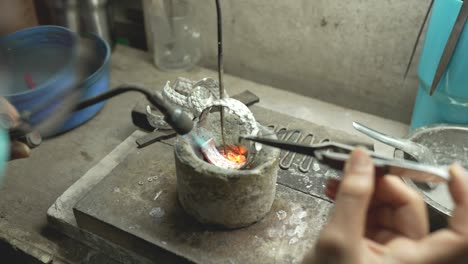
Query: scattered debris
pixel 157 195
pixel 157 212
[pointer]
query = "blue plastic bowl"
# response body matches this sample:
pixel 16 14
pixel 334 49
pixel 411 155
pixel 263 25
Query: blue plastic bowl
pixel 96 83
pixel 37 64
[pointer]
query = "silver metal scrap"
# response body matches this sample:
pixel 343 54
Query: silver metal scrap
pixel 211 153
pixel 237 108
pixel 192 97
pixel 156 120
pixel 245 120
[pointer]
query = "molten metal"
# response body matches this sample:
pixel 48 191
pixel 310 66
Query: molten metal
pixel 235 153
pixel 234 159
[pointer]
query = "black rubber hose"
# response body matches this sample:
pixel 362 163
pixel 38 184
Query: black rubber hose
pixel 176 118
pixel 114 92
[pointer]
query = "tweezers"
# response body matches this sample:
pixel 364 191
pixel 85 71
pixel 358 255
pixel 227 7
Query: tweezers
pixel 335 155
pixel 450 46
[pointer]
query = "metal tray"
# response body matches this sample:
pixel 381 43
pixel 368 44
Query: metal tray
pixel 449 144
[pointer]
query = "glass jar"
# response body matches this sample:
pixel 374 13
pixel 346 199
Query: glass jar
pixel 176 40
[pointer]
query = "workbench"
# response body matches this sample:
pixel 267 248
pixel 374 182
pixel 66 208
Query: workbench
pixel 32 185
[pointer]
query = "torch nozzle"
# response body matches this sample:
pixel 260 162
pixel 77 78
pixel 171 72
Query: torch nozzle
pixel 175 117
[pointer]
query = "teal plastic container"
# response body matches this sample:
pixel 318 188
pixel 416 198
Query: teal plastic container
pixel 4 153
pixel 449 103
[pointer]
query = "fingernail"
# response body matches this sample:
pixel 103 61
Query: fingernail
pixel 459 170
pixel 359 161
pixel 19 150
pixel 458 167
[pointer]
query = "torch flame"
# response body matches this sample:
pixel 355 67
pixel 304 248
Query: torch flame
pixel 235 153
pixel 233 159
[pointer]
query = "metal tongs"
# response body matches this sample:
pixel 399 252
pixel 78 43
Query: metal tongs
pixel 335 155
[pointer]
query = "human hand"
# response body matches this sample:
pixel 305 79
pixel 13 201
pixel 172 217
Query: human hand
pixel 382 220
pixel 9 118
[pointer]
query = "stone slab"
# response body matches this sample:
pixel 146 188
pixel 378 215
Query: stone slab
pixel 136 207
pixel 100 211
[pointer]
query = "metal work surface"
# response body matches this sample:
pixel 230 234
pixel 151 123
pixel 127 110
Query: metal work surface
pixel 136 207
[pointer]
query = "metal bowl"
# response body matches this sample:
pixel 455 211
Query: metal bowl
pixel 449 144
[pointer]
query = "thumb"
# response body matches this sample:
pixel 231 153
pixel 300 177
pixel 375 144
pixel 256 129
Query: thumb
pixel 19 150
pixel 354 194
pixel 458 186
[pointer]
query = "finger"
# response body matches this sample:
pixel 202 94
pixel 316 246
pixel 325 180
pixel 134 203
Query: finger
pixel 381 236
pixel 376 247
pixel 332 187
pixel 19 150
pixel 443 246
pixel 401 209
pixel 382 197
pixel 458 186
pixel 394 206
pixel 354 193
pixel 9 113
pixel 450 245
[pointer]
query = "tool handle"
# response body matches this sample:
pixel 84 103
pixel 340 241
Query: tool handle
pixel 338 162
pixel 19 131
pixel 407 169
pixel 25 134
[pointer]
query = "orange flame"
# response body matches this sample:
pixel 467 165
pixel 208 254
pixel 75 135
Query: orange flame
pixel 235 153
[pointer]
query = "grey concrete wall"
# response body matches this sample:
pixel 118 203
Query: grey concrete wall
pixel 351 53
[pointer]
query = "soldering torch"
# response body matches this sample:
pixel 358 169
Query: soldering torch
pixel 30 134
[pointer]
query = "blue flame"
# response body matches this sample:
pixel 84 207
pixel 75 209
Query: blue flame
pixel 193 138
